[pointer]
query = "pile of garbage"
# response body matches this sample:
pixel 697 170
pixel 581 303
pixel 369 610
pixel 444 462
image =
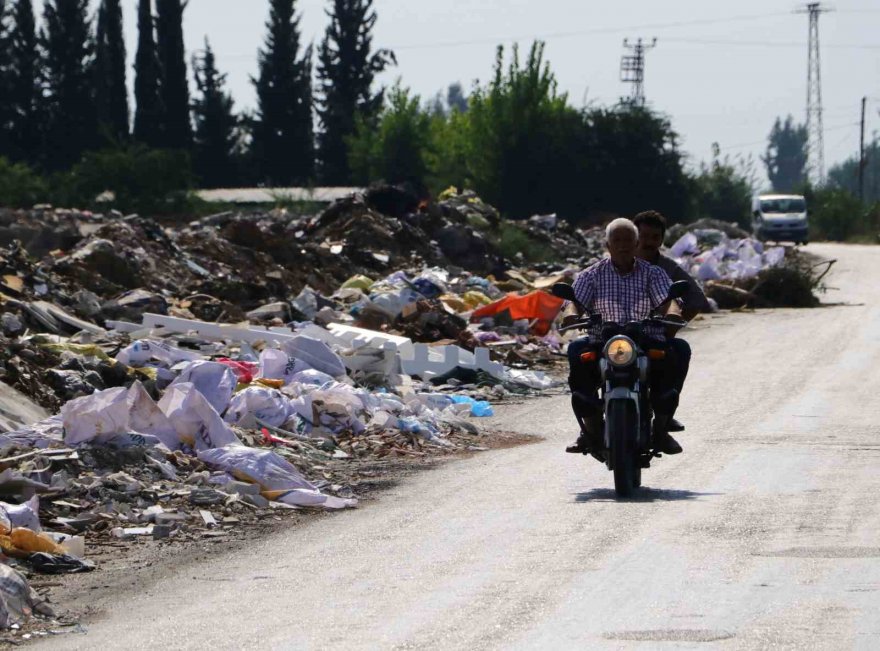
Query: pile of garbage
pixel 737 270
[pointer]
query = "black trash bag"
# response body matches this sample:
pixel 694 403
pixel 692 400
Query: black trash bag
pixel 65 564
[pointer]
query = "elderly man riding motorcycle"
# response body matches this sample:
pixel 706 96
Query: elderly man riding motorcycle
pixel 623 288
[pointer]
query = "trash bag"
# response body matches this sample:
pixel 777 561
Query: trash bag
pixel 685 245
pixel 197 423
pixel 538 306
pixel 140 352
pixel 25 515
pixel 316 354
pixel 59 563
pixel 479 408
pixel 18 601
pixel 258 403
pixel 277 365
pixel 278 479
pixel 116 412
pixel 214 380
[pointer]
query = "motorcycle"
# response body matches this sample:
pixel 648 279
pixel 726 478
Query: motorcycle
pixel 624 356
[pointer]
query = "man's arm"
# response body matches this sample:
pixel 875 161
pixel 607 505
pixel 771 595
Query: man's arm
pixel 695 300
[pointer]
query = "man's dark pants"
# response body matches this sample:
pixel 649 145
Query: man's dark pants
pixel 669 374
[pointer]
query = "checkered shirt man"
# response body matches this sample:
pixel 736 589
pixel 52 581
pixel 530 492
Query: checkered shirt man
pixel 621 298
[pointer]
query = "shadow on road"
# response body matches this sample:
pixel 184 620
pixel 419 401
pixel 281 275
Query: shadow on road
pixel 641 495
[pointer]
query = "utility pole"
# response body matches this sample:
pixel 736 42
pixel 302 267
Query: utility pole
pixel 862 153
pixel 815 131
pixel 632 70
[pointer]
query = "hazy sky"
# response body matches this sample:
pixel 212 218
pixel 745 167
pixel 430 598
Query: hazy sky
pixel 721 71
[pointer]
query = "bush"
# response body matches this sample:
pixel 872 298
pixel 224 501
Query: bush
pixel 20 186
pixel 835 214
pixel 140 179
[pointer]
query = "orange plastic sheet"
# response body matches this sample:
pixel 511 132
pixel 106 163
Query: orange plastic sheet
pixel 537 306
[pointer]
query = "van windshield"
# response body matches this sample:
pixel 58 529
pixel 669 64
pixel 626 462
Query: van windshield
pixel 794 204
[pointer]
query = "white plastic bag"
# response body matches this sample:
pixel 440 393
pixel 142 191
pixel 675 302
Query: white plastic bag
pixel 197 423
pixel 278 479
pixel 214 380
pixel 25 515
pixel 103 412
pixel 686 244
pixel 258 403
pixel 142 351
pixel 316 354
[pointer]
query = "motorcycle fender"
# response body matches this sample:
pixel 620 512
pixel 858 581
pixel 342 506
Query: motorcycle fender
pixel 621 393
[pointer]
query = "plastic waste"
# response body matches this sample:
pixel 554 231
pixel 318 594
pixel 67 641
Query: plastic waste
pixel 686 244
pixel 215 381
pixel 48 563
pixel 358 282
pixel 143 351
pixel 197 423
pixel 18 600
pixel 258 403
pixel 31 541
pixel 278 479
pixel 244 371
pixel 316 354
pixel 25 515
pixel 479 408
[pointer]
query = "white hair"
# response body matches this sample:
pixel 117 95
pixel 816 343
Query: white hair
pixel 619 223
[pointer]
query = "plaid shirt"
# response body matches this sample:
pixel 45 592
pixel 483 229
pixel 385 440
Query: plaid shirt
pixel 619 298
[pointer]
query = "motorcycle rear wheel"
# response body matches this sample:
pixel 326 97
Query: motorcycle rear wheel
pixel 622 424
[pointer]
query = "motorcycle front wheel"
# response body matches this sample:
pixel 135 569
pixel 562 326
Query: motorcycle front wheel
pixel 623 425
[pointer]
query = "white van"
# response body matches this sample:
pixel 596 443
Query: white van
pixel 780 218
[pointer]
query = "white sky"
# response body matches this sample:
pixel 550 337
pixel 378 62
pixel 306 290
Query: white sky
pixel 721 71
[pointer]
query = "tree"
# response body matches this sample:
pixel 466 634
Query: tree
pixel 5 81
pixel 346 70
pixel 149 112
pixel 786 156
pixel 111 93
pixel 284 142
pixel 177 128
pixel 723 192
pixel 845 175
pixel 69 46
pixel 215 124
pixel 398 151
pixel 455 98
pixel 23 85
pixel 526 146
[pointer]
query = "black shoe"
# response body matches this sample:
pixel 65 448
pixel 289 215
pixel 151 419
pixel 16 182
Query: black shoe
pixel 663 442
pixel 675 426
pixel 581 446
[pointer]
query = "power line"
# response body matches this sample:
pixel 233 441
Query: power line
pixel 632 69
pixel 769 44
pixel 743 145
pixel 815 132
pixel 587 32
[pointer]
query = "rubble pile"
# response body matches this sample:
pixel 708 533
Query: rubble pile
pixel 180 381
pixel 738 271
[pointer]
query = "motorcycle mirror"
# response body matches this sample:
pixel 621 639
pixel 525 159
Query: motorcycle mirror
pixel 678 289
pixel 564 291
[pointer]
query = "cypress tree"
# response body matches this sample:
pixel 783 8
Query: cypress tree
pixel 5 82
pixel 111 94
pixel 149 112
pixel 69 46
pixel 215 124
pixel 346 70
pixel 283 132
pixel 173 88
pixel 24 85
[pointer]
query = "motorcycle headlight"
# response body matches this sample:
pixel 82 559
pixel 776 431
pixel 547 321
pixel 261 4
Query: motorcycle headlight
pixel 620 351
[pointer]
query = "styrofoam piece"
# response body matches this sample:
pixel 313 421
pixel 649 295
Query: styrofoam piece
pixel 214 330
pixel 358 337
pixel 319 333
pixel 428 361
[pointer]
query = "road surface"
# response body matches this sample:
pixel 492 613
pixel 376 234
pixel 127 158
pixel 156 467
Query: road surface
pixel 765 533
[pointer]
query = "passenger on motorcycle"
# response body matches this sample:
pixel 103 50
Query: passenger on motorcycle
pixel 652 230
pixel 623 288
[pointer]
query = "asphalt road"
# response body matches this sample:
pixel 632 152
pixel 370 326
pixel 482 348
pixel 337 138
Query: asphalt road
pixel 765 533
